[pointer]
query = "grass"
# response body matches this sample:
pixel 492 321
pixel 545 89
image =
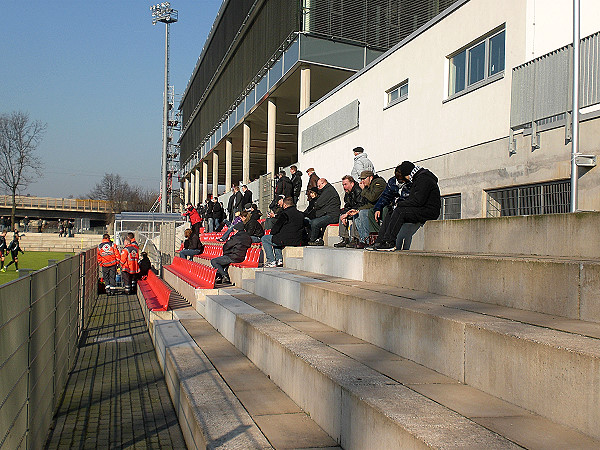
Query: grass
pixel 30 260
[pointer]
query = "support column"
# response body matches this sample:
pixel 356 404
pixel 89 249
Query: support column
pixel 197 187
pixel 228 156
pixel 192 187
pixel 186 191
pixel 204 181
pixel 304 88
pixel 246 154
pixel 271 120
pixel 215 174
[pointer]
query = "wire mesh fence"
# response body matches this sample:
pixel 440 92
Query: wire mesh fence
pixel 41 319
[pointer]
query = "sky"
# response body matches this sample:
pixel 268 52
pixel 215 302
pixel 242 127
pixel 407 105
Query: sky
pixel 94 73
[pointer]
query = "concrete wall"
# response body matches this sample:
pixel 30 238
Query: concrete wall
pixel 464 141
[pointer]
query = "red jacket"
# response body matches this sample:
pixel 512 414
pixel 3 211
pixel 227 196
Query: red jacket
pixel 130 256
pixel 108 253
pixel 193 214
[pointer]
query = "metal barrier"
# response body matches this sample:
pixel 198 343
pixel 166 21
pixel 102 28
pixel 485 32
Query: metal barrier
pixel 67 204
pixel 41 320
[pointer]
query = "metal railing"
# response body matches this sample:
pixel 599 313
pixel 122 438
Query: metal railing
pixel 41 319
pixel 66 204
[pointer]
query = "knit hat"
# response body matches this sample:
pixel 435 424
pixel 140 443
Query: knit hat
pixel 406 168
pixel 358 149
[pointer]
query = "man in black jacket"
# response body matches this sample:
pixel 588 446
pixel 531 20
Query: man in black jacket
pixel 234 251
pixel 208 216
pixel 423 203
pixel 284 185
pixel 327 211
pixel 296 182
pixel 246 197
pixel 287 231
pixel 352 201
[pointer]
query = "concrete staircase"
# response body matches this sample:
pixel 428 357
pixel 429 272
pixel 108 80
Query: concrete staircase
pixel 490 348
pixel 51 242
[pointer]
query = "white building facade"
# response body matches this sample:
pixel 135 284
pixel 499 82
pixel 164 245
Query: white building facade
pixel 444 99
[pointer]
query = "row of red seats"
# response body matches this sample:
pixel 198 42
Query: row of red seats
pixel 211 251
pixel 252 257
pixel 211 237
pixel 155 292
pixel 196 274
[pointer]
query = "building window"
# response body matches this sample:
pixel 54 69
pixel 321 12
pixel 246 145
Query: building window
pixel 450 207
pixel 543 198
pixel 477 63
pixel 396 94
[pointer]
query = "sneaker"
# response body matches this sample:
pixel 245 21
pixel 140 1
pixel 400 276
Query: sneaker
pixel 317 243
pixel 270 264
pixel 374 247
pixel 3 269
pixel 352 244
pixel 279 263
pixel 360 245
pixel 226 280
pixel 341 244
pixel 387 247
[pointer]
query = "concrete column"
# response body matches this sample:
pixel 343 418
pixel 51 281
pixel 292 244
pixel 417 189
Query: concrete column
pixel 246 155
pixel 304 88
pixel 228 155
pixel 193 187
pixel 186 191
pixel 197 187
pixel 204 181
pixel 271 120
pixel 215 175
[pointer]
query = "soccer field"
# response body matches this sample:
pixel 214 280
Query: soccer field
pixel 30 260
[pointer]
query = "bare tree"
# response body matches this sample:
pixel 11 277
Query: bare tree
pixel 121 195
pixel 19 165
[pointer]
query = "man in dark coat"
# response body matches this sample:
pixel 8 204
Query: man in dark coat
pixel 284 185
pixel 234 251
pixel 208 216
pixel 327 211
pixel 246 197
pixel 296 182
pixel 230 203
pixel 287 231
pixel 423 203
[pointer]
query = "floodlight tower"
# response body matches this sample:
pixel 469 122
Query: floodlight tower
pixel 162 12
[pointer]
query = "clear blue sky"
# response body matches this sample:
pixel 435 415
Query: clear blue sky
pixel 93 71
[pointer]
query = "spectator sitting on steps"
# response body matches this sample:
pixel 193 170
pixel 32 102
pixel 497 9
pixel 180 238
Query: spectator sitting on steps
pixel 352 201
pixel 234 251
pixel 252 226
pixel 287 231
pixel 191 246
pixel 327 212
pixel 423 203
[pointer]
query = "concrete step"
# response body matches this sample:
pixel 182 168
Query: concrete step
pixel 366 397
pixel 558 286
pixel 545 364
pixel 569 235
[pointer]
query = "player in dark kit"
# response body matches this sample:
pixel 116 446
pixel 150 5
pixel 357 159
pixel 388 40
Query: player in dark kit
pixel 3 249
pixel 14 248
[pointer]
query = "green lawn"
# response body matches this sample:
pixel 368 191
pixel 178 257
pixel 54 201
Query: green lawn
pixel 30 260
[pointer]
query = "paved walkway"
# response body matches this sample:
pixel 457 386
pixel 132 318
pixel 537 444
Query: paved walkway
pixel 116 396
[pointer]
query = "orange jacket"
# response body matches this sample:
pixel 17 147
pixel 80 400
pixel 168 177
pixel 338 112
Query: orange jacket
pixel 130 256
pixel 108 253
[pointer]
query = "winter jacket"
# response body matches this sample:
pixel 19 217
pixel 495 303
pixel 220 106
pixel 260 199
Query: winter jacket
pixel 288 228
pixel 246 198
pixel 394 191
pixel 230 207
pixel 328 202
pixel 209 210
pixel 254 228
pixel 256 214
pixel 217 211
pixel 312 181
pixel 296 184
pixel 145 266
pixel 361 162
pixel 237 202
pixel 130 256
pixel 309 212
pixel 192 213
pixel 108 253
pixel 353 199
pixel 193 243
pixel 372 192
pixel 284 187
pixel 237 246
pixel 424 199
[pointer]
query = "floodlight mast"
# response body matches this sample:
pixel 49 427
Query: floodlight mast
pixel 162 12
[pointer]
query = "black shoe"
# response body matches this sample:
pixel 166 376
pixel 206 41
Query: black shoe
pixel 387 247
pixel 317 243
pixel 352 244
pixel 225 280
pixel 342 243
pixel 374 247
